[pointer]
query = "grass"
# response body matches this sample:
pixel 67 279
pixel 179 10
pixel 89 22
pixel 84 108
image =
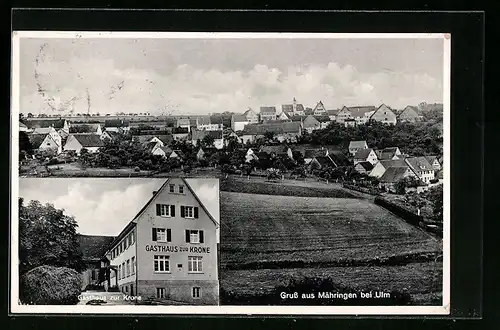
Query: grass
pixel 423 281
pixel 75 170
pixel 263 229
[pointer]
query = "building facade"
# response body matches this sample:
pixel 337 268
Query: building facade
pixel 169 252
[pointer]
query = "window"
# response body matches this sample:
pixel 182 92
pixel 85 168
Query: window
pixel 125 243
pixel 195 265
pixel 189 212
pixel 196 292
pixel 126 289
pixel 160 293
pixel 172 188
pixel 132 237
pixel 161 264
pixel 133 265
pixel 164 210
pixel 162 235
pixel 181 189
pixel 128 267
pixel 119 272
pixel 194 236
pixel 124 271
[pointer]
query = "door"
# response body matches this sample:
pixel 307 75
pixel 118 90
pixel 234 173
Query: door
pixel 131 289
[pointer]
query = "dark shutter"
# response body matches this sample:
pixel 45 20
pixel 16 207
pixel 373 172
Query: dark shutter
pixel 196 212
pixel 169 235
pixel 154 234
pixel 182 211
pixel 201 236
pixel 172 210
pixel 188 240
pixel 158 209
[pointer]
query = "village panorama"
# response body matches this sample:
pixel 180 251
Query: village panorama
pixel 172 171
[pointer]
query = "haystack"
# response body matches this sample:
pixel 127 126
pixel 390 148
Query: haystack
pixel 48 285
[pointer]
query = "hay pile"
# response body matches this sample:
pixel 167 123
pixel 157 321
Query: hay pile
pixel 48 285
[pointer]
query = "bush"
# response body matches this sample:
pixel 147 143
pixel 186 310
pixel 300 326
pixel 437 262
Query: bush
pixel 48 285
pixel 137 169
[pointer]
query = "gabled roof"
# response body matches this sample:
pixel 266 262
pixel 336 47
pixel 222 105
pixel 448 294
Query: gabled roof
pixel 91 127
pixel 419 164
pixel 200 134
pixel 88 140
pixel 94 247
pixel 298 118
pixel 357 144
pixel 183 121
pixel 322 119
pixel 393 174
pixel 178 153
pixel 116 123
pixel 56 123
pixel 43 130
pixel 268 109
pixel 393 163
pixel 308 111
pixel 366 165
pixel 324 160
pixel 150 146
pixel 332 112
pixel 386 153
pixel 239 118
pixel 311 153
pixel 363 153
pixel 409 112
pixel 277 128
pixel 339 158
pixel 279 149
pixel 246 113
pixel 431 159
pixel 36 140
pixel 359 111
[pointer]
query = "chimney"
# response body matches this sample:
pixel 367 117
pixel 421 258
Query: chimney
pixel 154 192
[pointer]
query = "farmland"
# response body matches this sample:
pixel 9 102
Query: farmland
pixel 268 240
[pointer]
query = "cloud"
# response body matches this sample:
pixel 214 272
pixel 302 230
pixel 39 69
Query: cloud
pixel 191 90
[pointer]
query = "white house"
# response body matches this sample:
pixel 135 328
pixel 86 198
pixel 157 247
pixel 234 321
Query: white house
pixel 319 109
pixel 384 115
pixel 45 142
pixel 365 155
pixel 76 142
pixel 238 122
pixel 422 167
pixel 354 146
pixel 217 136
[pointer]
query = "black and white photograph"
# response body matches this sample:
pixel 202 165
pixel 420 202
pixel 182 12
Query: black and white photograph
pixel 229 173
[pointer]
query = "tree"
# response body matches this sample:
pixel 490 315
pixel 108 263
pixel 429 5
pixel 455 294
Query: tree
pixel 232 144
pixel 406 182
pixel 30 115
pixel 47 237
pixel 269 136
pixel 208 141
pixel 24 142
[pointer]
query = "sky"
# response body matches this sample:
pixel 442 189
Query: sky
pixel 202 76
pixel 104 206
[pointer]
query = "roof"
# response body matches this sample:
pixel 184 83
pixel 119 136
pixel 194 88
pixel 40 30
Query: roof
pixel 23 125
pixel 239 118
pixel 308 111
pixel 116 123
pixel 324 160
pixel 88 140
pixel 167 150
pixel 287 107
pixel 91 127
pixel 339 158
pixel 279 128
pixel 386 153
pixel 393 174
pixel 419 163
pixel 200 134
pixel 36 140
pixel 298 118
pixel 180 130
pixel 366 165
pixel 431 159
pixel 279 149
pixel 359 111
pixel 363 153
pixel 268 109
pixel 322 119
pixel 150 146
pixel 357 144
pixel 311 153
pixel 56 123
pixel 409 111
pixel 332 112
pixel 393 163
pixel 42 130
pixel 183 121
pixel 94 247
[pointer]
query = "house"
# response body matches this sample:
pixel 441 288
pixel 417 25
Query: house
pixel 58 124
pixel 23 127
pixel 277 150
pixel 180 133
pixel 434 161
pixel 422 167
pixel 319 109
pixel 77 142
pixel 389 153
pixel 45 142
pixel 168 251
pixel 117 125
pixel 382 165
pixel 177 154
pixel 321 162
pixel 238 122
pixel 384 115
pixel 332 114
pixel 283 131
pixel 343 114
pixel 86 128
pixel 361 114
pixel 251 155
pixel 184 123
pixel 159 150
pixel 324 121
pixel 267 113
pixel 309 154
pixel 284 116
pixel 365 155
pixel 363 167
pixel 310 124
pixel 251 116
pixel 354 146
pixel 93 249
pixel 410 114
pixel 110 135
pixel 392 175
pixel 204 123
pixel 294 109
pixel 217 136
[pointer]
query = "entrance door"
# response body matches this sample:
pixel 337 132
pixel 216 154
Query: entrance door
pixel 131 289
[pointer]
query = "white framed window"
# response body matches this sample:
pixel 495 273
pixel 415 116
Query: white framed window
pixel 165 210
pixel 188 211
pixel 161 264
pixel 195 264
pixel 172 188
pixel 196 292
pixel 133 265
pixel 160 293
pixel 161 235
pixel 193 236
pixel 181 189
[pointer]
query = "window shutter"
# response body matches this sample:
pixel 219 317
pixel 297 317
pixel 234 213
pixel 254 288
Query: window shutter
pixel 172 210
pixel 169 235
pixel 154 234
pixel 158 209
pixel 182 211
pixel 201 236
pixel 196 212
pixel 188 240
